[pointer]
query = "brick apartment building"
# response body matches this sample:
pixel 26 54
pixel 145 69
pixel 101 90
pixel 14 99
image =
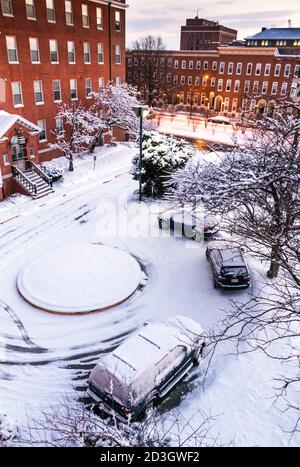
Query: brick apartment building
pixel 203 34
pixel 51 51
pixel 226 81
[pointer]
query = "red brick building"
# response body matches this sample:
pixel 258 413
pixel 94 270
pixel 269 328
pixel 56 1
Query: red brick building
pixel 53 51
pixel 227 80
pixel 203 34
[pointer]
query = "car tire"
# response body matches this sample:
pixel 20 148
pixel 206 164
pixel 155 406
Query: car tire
pixel 207 254
pixel 163 224
pixel 216 285
pixel 197 237
pixel 147 411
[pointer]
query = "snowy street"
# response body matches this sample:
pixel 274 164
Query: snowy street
pixel 46 357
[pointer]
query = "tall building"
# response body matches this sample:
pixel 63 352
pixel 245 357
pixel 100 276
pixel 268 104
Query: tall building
pixel 287 40
pixel 52 51
pixel 203 34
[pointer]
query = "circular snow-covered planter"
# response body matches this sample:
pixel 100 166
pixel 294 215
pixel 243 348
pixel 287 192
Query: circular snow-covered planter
pixel 80 279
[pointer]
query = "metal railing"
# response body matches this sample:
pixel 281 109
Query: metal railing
pixel 21 177
pixel 29 165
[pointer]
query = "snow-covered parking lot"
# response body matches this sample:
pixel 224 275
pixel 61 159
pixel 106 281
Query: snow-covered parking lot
pixel 45 357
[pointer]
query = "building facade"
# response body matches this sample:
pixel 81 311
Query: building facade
pixel 226 81
pixel 54 51
pixel 203 34
pixel 286 40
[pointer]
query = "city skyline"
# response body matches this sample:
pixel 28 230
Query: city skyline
pixel 149 17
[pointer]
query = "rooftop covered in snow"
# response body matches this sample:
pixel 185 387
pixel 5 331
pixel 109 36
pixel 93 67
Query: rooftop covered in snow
pixel 7 120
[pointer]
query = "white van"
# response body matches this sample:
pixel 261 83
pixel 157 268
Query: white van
pixel 146 366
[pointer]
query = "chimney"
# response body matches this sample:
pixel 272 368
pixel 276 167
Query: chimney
pixel 263 29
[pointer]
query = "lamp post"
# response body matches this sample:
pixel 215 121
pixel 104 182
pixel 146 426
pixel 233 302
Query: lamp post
pixel 141 112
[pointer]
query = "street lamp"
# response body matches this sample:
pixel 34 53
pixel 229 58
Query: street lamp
pixel 141 112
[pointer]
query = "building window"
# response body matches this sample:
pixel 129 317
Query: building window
pixel 255 86
pixel 183 64
pixel 284 88
pixel 214 66
pixel 6 159
pixel 88 87
pixel 297 71
pixel 176 64
pixel 53 50
pixel 287 71
pixel 274 88
pixel 85 16
pixel 170 61
pixel 197 81
pixel 101 85
pixel 118 54
pixel 239 68
pixel 168 77
pixel 73 89
pixel 198 65
pixel 71 52
pixel 220 85
pixel 190 80
pixel 191 64
pixel 249 69
pixel 43 133
pixel 213 82
pixel 34 50
pixel 234 105
pixel 175 79
pixel 87 52
pixel 38 92
pixel 222 68
pixel 12 51
pixel 50 11
pixel 100 53
pixel 30 9
pixel 264 87
pixel 277 70
pixel 230 68
pixel 56 90
pixel 129 62
pixel 182 80
pixel 258 69
pixel 117 21
pixel 118 80
pixel 247 86
pixel 69 12
pixel 6 7
pixel 99 18
pixel 162 62
pixel 59 126
pixel 267 69
pixel 237 85
pixel 17 93
pixel 205 66
pixel 228 85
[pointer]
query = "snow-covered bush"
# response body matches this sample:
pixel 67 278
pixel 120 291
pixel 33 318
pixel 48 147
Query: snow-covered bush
pixel 162 156
pixel 8 430
pixel 53 171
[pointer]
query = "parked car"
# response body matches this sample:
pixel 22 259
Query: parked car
pixel 134 377
pixel 220 119
pixel 228 265
pixel 188 223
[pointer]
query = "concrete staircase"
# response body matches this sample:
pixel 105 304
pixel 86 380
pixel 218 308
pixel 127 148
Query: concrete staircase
pixel 42 188
pixel 34 180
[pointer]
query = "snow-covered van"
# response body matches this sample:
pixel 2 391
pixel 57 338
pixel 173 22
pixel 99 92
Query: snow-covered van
pixel 135 376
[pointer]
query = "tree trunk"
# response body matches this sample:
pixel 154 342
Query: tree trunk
pixel 274 266
pixel 71 165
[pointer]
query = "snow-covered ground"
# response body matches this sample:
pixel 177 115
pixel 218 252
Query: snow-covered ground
pixel 46 357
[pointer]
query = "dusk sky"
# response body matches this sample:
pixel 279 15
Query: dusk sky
pixel 164 17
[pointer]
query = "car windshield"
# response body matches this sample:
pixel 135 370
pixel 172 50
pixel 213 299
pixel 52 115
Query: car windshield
pixel 235 270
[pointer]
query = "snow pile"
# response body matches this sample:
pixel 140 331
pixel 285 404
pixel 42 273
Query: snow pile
pixel 8 430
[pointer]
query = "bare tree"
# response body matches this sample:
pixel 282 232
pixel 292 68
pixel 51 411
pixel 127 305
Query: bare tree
pixel 149 50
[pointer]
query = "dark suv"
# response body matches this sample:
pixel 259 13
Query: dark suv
pixel 229 267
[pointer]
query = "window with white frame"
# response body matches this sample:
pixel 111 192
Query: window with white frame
pixel 71 52
pixel 34 50
pixel 87 52
pixel 182 80
pixel 264 88
pixel 197 81
pixel 99 18
pixel 230 68
pixel 88 87
pixel 53 51
pixel 129 62
pixel 249 69
pixel 256 86
pixel 100 53
pixel 247 86
pixel 117 21
pixel 38 92
pixel 191 65
pixel 205 66
pixel 228 85
pixel 12 51
pixel 56 90
pixel 277 69
pixel 16 87
pixel 220 85
pixel 222 68
pixel 267 69
pixel 213 82
pixel 204 81
pixel 43 133
pixel 183 64
pixel 30 9
pixel 73 89
pixel 101 85
pixel 170 62
pixel 69 12
pixel 274 88
pixel 214 66
pixel 284 88
pixel 287 70
pixel 190 80
pixel 6 159
pixel 198 65
pixel 168 77
pixel 118 80
pixel 237 85
pixel 59 126
pixel 118 55
pixel 7 8
pixel 85 16
pixel 50 11
pixel 234 105
pixel 258 69
pixel 176 64
pixel 175 79
pixel 297 71
pixel 239 67
pixel 226 104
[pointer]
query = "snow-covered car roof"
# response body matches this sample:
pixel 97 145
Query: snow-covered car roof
pixel 146 348
pixel 208 219
pixel 230 251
